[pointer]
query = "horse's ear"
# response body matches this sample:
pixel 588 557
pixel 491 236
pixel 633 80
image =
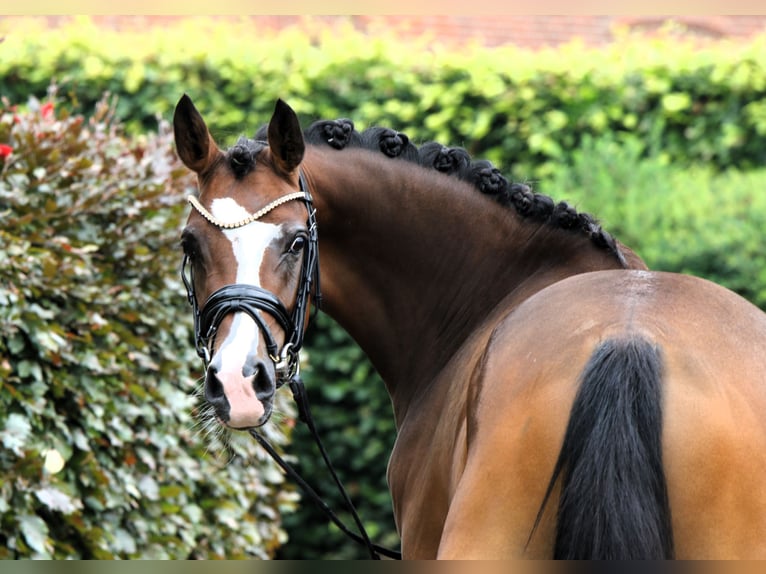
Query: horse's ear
pixel 195 145
pixel 286 138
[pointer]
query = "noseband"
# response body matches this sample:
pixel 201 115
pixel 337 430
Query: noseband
pixel 253 300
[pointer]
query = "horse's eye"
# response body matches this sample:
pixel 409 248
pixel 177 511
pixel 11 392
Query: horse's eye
pixel 190 247
pixel 298 244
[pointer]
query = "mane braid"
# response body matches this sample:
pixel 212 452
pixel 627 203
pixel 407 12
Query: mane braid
pixel 392 143
pixel 340 134
pixel 241 156
pixel 452 161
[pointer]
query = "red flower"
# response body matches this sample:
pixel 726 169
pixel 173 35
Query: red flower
pixel 5 150
pixel 46 110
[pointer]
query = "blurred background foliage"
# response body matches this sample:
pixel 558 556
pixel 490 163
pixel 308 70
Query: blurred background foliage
pixel 96 358
pixel 104 453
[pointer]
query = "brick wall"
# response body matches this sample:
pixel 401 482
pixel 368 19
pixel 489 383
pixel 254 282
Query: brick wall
pixel 540 31
pixel 524 30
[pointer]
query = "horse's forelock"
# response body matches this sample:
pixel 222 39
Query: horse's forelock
pixel 241 156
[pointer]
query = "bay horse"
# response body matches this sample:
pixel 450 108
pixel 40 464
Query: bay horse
pixel 553 397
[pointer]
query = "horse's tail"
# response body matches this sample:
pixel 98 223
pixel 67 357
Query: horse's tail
pixel 613 497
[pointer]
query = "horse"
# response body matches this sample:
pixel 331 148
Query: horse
pixel 553 397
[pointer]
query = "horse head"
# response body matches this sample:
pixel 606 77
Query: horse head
pixel 249 260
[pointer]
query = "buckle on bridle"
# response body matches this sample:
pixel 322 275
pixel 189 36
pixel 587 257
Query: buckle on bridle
pixel 287 365
pixel 204 352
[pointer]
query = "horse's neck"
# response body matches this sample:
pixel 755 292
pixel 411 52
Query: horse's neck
pixel 412 261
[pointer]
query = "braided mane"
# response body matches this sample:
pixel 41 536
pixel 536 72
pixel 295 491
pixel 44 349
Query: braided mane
pixel 456 161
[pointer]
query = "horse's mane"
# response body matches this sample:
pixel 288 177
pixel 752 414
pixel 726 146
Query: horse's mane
pixel 455 161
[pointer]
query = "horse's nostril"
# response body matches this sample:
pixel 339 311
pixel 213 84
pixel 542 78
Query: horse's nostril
pixel 215 395
pixel 252 366
pixel 213 387
pixel 263 383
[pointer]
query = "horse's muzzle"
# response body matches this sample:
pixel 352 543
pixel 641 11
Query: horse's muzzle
pixel 241 400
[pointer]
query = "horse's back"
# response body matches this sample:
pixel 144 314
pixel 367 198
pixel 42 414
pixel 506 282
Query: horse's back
pixel 710 347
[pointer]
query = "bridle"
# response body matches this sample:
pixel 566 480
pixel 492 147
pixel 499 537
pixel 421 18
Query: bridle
pixel 252 299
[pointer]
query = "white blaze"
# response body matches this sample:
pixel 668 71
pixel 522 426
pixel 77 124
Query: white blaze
pixel 249 244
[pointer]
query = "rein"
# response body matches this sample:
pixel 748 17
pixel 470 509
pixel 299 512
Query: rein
pixel 251 299
pixel 304 414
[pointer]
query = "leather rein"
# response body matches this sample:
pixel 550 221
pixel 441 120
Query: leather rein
pixel 253 300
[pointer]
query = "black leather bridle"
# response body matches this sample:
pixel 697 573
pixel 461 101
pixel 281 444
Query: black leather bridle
pixel 252 299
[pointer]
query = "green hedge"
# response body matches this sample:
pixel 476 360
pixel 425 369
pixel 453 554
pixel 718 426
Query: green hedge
pixel 694 220
pixel 527 111
pixel 102 451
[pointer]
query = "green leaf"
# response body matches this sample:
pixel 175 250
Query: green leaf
pixel 676 102
pixel 29 370
pixel 57 500
pixel 16 433
pixel 124 542
pixel 35 533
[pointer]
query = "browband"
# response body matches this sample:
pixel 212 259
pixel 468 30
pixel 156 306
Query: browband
pixel 250 218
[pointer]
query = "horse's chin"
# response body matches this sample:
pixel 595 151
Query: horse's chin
pixel 247 420
pixel 244 423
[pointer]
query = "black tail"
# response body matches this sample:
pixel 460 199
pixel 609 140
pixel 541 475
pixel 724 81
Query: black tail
pixel 614 500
